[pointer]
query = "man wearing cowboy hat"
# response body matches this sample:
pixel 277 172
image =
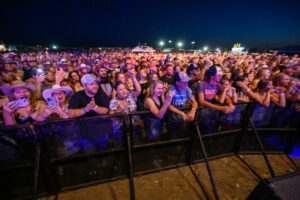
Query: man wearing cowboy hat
pixel 90 101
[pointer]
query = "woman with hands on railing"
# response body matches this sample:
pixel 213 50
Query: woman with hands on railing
pixel 265 93
pixel 291 88
pixel 125 101
pixel 228 93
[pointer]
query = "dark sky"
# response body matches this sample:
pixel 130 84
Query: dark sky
pixel 124 23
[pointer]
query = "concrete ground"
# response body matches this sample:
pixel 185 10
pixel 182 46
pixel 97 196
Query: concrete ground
pixel 233 181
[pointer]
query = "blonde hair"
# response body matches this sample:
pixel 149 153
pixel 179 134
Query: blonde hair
pixel 152 86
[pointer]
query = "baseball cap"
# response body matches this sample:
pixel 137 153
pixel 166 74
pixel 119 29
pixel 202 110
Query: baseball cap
pixel 212 71
pixel 88 79
pixel 182 77
pixel 191 67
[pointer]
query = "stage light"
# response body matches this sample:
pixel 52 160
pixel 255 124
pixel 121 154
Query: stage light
pixel 170 41
pixel 205 48
pixel 161 43
pixel 179 44
pixel 54 46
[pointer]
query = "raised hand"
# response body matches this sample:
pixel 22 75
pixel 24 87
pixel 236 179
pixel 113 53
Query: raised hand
pixel 169 96
pixel 10 107
pixel 39 78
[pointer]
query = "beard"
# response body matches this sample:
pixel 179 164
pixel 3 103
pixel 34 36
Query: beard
pixel 92 91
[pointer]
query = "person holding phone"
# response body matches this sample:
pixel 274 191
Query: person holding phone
pixel 58 101
pixel 23 106
pixel 158 104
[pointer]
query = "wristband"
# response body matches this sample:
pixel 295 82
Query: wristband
pixel 84 110
pixel 95 108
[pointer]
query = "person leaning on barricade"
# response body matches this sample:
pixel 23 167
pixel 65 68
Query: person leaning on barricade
pixel 57 99
pixel 158 104
pixel 23 105
pixel 182 96
pixel 209 91
pixel 90 101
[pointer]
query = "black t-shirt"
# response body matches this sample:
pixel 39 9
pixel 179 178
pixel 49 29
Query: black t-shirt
pixel 170 81
pixel 80 100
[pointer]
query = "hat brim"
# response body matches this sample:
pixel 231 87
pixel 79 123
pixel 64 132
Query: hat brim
pixel 7 89
pixel 48 93
pixel 88 67
pixel 185 80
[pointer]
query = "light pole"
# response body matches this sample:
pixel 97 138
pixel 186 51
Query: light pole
pixel 170 43
pixel 179 44
pixel 193 44
pixel 161 44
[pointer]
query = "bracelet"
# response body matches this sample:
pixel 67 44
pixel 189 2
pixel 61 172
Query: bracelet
pixel 248 90
pixel 95 108
pixel 84 110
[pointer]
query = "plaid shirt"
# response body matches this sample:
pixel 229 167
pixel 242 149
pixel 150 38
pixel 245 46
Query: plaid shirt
pixel 114 103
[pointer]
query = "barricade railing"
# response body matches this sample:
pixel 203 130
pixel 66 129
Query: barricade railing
pixel 84 151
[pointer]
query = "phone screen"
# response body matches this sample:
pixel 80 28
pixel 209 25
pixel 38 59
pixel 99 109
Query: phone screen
pixel 51 101
pixel 20 102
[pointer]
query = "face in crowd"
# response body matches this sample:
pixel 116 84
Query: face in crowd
pixel 92 88
pixel 8 67
pixel 50 76
pixel 266 74
pixel 60 96
pixel 181 85
pixel 218 76
pixel 102 73
pixel 121 78
pixel 169 70
pixel 122 91
pixel 84 70
pixel 158 89
pixel 21 93
pixel 75 76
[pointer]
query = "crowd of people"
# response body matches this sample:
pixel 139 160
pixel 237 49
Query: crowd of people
pixel 39 86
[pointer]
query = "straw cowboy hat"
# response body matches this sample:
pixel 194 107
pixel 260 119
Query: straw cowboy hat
pixel 84 66
pixel 48 93
pixel 8 89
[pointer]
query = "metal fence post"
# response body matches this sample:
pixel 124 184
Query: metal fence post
pixel 128 126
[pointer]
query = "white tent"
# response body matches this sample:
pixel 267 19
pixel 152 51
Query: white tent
pixel 142 49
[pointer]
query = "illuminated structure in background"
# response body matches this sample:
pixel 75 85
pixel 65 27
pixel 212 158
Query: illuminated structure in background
pixel 237 48
pixel 2 47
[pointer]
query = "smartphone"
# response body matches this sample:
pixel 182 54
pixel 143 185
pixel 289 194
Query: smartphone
pixel 20 102
pixel 51 101
pixel 38 71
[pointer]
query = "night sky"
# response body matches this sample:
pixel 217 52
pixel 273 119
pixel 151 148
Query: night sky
pixel 255 24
